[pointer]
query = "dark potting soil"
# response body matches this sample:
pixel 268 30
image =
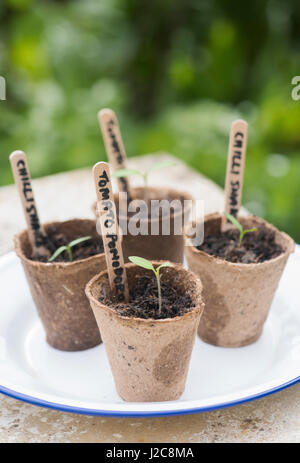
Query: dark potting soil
pixel 143 300
pixel 55 239
pixel 256 246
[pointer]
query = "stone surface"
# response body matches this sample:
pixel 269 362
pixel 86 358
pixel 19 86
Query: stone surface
pixel 273 419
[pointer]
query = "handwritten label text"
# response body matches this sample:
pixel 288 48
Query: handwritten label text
pixel 111 238
pixel 34 223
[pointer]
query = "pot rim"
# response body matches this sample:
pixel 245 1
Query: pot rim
pixel 199 309
pixel 196 252
pixel 185 194
pixel 58 265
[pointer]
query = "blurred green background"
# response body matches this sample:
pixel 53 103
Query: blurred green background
pixel 177 72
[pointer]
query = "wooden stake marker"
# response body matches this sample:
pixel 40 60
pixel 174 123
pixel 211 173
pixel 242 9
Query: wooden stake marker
pixel 110 232
pixel 114 146
pixel 235 170
pixel 22 178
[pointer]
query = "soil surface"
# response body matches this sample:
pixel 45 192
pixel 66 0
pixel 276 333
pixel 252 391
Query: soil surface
pixel 256 246
pixel 143 300
pixel 55 239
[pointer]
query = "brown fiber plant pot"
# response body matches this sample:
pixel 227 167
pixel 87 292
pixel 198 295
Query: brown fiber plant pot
pixel 149 358
pixel 57 289
pixel 156 247
pixel 237 296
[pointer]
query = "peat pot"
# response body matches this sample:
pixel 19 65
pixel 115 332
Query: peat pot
pixel 237 296
pixel 150 357
pixel 57 289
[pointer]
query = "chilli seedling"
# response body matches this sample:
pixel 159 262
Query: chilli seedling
pixel 239 227
pixel 68 248
pixel 145 263
pixel 157 166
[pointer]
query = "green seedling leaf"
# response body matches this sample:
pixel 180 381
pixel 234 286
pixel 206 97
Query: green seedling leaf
pixel 234 221
pixel 243 232
pixel 126 173
pixel 250 230
pixel 78 241
pixel 156 166
pixel 162 165
pixel 141 262
pixel 165 264
pixel 57 253
pixel 68 248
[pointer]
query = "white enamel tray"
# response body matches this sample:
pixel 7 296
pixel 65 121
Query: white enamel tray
pixel 81 382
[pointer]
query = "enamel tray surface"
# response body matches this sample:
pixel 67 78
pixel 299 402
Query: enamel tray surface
pixel 81 382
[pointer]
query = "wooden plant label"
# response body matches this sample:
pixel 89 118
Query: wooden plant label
pixel 23 181
pixel 114 146
pixel 110 232
pixel 235 170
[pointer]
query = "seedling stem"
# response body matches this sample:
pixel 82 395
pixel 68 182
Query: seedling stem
pixel 145 263
pixel 239 227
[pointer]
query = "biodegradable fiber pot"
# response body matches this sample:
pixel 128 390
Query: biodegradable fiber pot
pixel 149 358
pixel 150 246
pixel 57 289
pixel 237 296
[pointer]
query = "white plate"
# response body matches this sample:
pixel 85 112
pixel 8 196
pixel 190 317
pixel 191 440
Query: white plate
pixel 81 382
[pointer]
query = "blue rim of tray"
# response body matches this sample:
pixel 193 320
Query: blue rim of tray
pixel 142 414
